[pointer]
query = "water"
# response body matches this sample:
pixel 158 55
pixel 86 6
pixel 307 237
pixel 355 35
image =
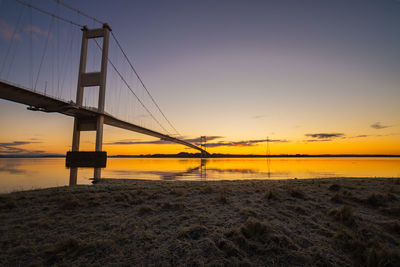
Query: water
pixel 24 174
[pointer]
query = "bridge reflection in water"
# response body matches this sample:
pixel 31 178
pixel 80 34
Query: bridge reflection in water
pixel 249 168
pixel 24 174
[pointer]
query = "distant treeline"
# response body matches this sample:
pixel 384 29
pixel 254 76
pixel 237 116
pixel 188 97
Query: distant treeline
pixel 217 155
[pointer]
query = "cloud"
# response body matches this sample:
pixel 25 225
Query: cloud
pixel 37 32
pixel 378 126
pixel 7 31
pixel 258 117
pixel 317 140
pixel 160 142
pixel 325 135
pixel 245 143
pixel 127 142
pixel 15 148
pixel 197 141
pixel 362 136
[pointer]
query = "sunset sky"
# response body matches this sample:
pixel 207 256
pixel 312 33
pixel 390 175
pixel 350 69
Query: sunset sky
pixel 315 77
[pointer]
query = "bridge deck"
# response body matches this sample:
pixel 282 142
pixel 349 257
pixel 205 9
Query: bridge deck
pixel 40 102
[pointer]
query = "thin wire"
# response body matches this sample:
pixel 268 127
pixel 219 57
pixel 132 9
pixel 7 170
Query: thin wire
pixel 126 57
pixel 119 74
pixel 141 81
pixel 78 11
pixel 15 47
pixel 58 55
pixel 31 48
pixel 68 54
pixel 49 13
pixel 98 21
pixel 11 42
pixel 44 52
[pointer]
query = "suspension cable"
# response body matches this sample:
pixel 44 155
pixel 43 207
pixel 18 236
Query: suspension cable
pixel 49 13
pixel 44 52
pixel 12 40
pixel 126 83
pixel 142 83
pixel 78 11
pixel 120 47
pixel 126 57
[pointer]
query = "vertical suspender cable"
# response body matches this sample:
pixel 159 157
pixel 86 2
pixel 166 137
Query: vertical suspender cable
pixel 126 57
pixel 11 41
pixel 142 83
pixel 31 48
pixel 44 52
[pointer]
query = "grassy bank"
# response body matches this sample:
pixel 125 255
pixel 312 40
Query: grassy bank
pixel 290 222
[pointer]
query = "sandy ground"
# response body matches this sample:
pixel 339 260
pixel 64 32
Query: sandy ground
pixel 320 222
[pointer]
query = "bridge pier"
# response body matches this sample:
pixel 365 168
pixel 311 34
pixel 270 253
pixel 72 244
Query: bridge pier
pixel 86 79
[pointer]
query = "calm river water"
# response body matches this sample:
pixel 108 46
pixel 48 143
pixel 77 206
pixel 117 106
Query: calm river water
pixel 24 174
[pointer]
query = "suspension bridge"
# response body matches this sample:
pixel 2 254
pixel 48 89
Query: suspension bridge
pixel 44 79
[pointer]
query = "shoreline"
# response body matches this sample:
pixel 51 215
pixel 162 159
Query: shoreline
pixel 218 156
pixel 325 221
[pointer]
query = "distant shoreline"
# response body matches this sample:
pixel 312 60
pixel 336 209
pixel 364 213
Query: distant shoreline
pixel 198 155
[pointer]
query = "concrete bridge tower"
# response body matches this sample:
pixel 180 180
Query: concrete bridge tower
pixel 98 158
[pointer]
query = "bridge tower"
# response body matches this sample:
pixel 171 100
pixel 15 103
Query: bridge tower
pixel 96 159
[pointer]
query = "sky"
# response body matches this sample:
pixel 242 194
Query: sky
pixel 312 77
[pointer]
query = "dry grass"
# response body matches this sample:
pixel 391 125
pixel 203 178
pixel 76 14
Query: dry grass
pixel 344 215
pixel 327 222
pixel 223 196
pixel 296 192
pixel 334 187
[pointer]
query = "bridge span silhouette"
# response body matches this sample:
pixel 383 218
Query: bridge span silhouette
pixel 86 118
pixel 37 101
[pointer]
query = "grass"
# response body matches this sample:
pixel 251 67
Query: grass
pixel 337 198
pixel 344 214
pixel 254 229
pixel 334 187
pixel 193 231
pixel 296 193
pixel 69 202
pixel 224 223
pixel 223 196
pixel 271 194
pixel 367 251
pixel 144 209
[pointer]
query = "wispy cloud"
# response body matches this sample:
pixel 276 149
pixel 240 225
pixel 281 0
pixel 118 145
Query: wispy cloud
pixel 362 136
pixel 245 143
pixel 160 142
pixel 7 31
pixel 37 32
pixel 35 139
pixel 208 138
pixel 197 141
pixel 319 137
pixel 317 140
pixel 325 135
pixel 13 147
pixel 256 117
pixel 133 142
pixel 7 148
pixel 378 126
